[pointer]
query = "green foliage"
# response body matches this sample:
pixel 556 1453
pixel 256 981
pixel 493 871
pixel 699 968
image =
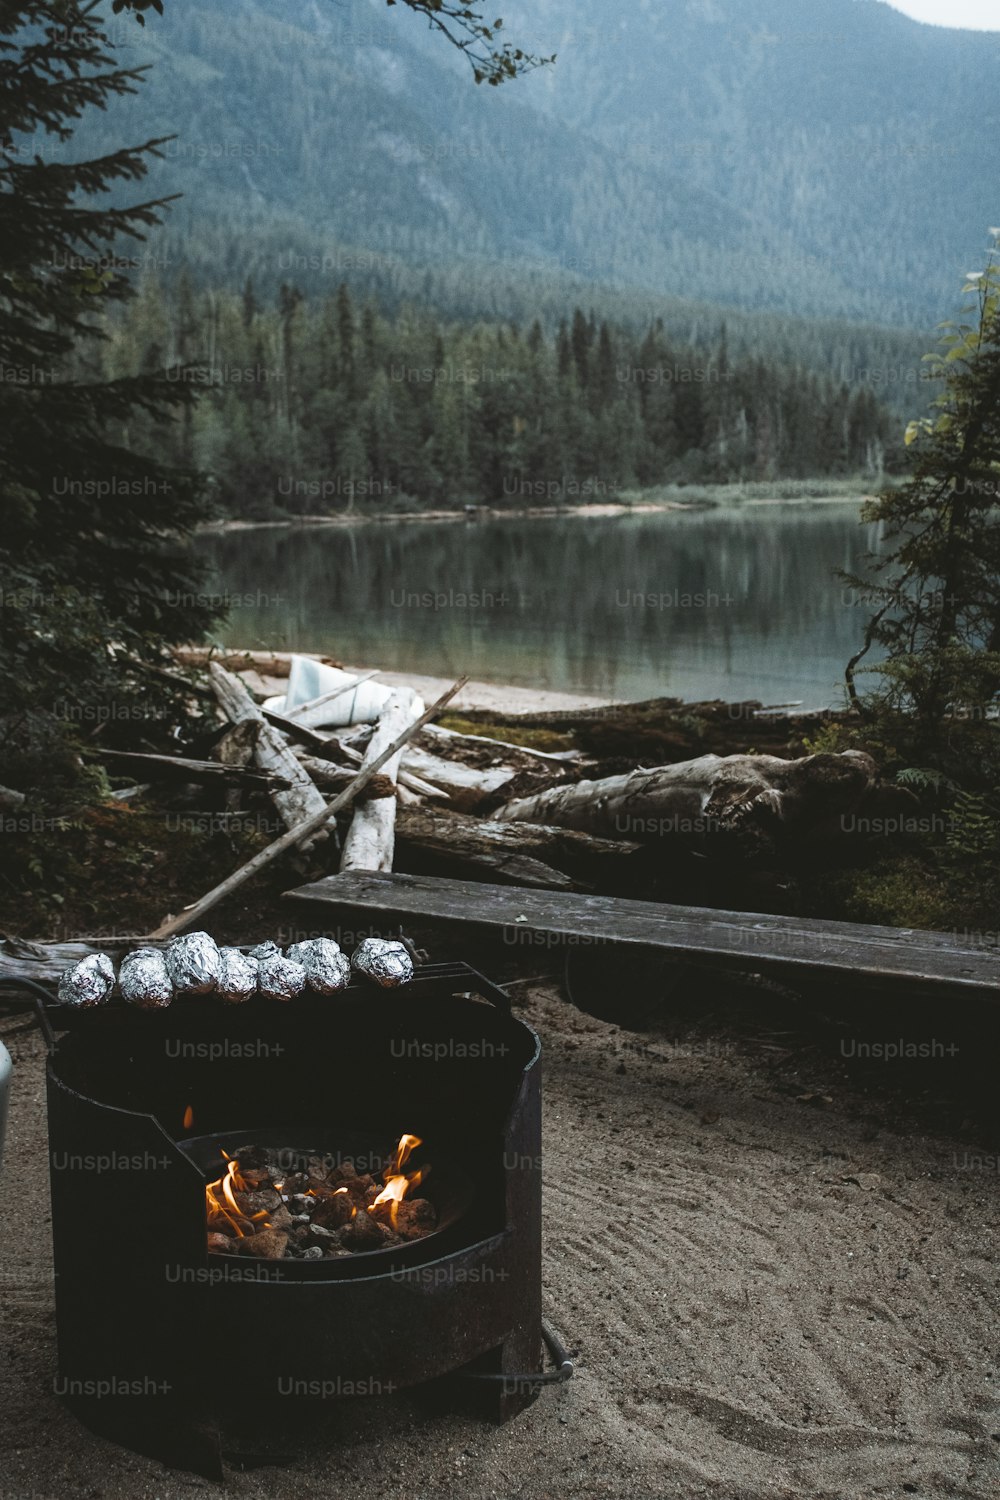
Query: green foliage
pixel 936 694
pixel 923 780
pixel 899 891
pixel 147 862
pixel 311 406
pixel 548 740
pixel 974 828
pixel 93 550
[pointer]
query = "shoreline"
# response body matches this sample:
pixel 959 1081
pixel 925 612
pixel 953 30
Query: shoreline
pixel 605 510
pixel 478 513
pixel 501 697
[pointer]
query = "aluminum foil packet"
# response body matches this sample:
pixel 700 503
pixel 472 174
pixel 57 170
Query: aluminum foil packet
pixel 89 982
pixel 280 978
pixel 383 961
pixel 327 968
pixel 237 979
pixel 144 979
pixel 265 950
pixel 193 963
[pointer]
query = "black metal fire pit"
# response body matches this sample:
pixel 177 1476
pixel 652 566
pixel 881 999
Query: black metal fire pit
pixel 134 1100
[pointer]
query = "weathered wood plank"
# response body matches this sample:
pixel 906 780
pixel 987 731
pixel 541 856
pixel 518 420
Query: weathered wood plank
pixel 926 961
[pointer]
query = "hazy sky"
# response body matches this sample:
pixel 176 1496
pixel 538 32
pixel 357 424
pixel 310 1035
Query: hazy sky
pixel 982 14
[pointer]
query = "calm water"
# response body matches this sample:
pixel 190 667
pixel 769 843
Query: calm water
pixel 730 603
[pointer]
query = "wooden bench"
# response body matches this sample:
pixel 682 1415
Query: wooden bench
pixel 924 963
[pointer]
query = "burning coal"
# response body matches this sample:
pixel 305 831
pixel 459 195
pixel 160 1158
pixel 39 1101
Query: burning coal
pixel 319 1212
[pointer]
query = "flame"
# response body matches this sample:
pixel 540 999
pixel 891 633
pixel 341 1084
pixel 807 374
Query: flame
pixel 223 1209
pixel 188 1118
pixel 221 1204
pixel 404 1150
pixel 397 1182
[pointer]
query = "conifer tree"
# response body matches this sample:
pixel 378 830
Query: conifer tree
pixel 93 546
pixel 938 586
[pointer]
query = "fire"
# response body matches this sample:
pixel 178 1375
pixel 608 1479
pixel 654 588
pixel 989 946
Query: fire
pixel 397 1182
pixel 188 1118
pixel 220 1201
pixel 228 1210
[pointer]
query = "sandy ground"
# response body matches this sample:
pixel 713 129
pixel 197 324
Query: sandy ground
pixel 772 1297
pixel 489 695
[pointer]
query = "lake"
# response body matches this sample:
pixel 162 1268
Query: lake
pixel 733 602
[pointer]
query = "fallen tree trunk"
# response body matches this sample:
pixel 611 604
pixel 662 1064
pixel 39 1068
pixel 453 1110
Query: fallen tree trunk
pixel 665 730
pixel 191 770
pixel 300 800
pixel 44 963
pixel 467 786
pixel 510 853
pixel 297 836
pixel 266 663
pixel 747 796
pixel 370 839
pixel 475 773
pixel 328 773
pixel 512 752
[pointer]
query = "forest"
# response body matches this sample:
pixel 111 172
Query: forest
pixel 314 406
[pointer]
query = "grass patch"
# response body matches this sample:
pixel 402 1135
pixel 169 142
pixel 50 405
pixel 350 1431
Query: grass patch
pixel 549 740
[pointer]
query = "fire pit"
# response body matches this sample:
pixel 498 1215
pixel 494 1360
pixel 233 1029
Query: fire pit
pixel 144 1104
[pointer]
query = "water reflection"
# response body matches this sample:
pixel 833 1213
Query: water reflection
pixel 730 603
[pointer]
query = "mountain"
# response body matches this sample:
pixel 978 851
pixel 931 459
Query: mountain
pixel 836 160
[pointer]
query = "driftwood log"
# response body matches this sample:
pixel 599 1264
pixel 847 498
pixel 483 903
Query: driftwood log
pixel 300 800
pixel 266 663
pixel 467 786
pixel 508 853
pixel 45 963
pixel 660 731
pixel 179 767
pixel 370 839
pixel 475 772
pixel 328 773
pixel 747 796
pixel 470 743
pixel 297 836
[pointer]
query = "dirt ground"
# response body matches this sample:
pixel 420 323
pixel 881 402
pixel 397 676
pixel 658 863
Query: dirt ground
pixel 778 1270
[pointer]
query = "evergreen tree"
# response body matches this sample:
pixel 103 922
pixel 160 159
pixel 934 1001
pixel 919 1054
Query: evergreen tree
pixel 93 552
pixel 251 307
pixel 938 586
pixel 345 341
pixel 580 341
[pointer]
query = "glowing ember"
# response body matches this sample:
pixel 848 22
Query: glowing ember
pixel 318 1211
